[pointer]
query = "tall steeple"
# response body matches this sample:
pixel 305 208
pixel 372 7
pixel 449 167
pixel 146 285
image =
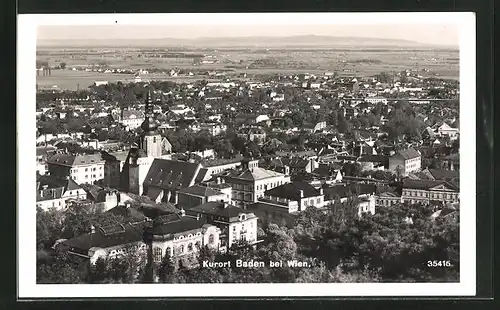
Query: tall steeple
pixel 150 138
pixel 150 125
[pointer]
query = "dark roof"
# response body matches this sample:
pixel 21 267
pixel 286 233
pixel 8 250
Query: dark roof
pixel 426 184
pixel 75 160
pixel 408 153
pixel 343 190
pixel 45 150
pixel 292 191
pixel 103 238
pixel 92 189
pixel 201 175
pixel 199 190
pixel 295 154
pixel 441 174
pixel 179 225
pixel 217 208
pixel 52 181
pixel 219 162
pixel 171 174
pixel 130 214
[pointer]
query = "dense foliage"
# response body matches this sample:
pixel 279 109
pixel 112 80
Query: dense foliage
pixel 394 245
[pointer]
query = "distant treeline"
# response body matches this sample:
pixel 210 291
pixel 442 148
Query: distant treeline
pixel 169 55
pixel 375 61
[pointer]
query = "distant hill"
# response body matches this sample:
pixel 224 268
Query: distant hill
pixel 266 42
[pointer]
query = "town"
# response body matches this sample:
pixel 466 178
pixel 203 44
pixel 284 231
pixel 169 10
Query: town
pixel 141 179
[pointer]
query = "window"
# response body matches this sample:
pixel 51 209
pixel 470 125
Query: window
pixel 157 254
pixel 181 250
pixel 86 169
pixel 86 176
pixel 190 247
pixel 211 238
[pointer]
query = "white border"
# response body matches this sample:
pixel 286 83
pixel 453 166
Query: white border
pixel 26 46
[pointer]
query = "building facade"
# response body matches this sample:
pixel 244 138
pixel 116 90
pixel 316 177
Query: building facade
pixel 250 182
pixel 81 168
pixel 405 162
pixel 429 191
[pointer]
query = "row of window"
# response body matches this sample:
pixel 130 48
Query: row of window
pixel 448 196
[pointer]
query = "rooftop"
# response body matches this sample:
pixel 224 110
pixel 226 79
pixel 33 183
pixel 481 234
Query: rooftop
pixel 292 191
pixel 220 209
pixel 199 190
pixel 409 153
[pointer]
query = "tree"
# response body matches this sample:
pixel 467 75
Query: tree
pixel 62 65
pixel 49 227
pixel 60 269
pixel 166 269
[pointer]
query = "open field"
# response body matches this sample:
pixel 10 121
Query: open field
pixel 347 62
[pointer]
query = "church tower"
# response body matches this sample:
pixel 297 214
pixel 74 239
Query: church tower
pixel 150 140
pixel 140 159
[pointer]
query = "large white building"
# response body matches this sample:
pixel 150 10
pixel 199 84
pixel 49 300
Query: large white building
pixel 405 161
pixel 447 130
pixel 132 119
pixel 178 235
pixel 235 223
pixel 250 182
pixel 81 168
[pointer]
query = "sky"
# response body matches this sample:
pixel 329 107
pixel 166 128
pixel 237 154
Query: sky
pixel 439 34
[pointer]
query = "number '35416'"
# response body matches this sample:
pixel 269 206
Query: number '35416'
pixel 439 263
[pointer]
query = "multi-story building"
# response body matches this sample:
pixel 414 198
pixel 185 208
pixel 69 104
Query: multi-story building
pixel 199 194
pixel 235 223
pixel 281 204
pixel 81 168
pixel 387 199
pixel 216 166
pixel 140 160
pixel 166 177
pixel 428 191
pixel 57 192
pixel 447 130
pixel 177 235
pixel 364 194
pixel 250 182
pixel 405 162
pixel 298 196
pixel 255 134
pixel 214 129
pixel 132 119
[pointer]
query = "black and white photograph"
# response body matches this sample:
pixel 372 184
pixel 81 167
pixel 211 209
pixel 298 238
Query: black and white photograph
pixel 294 154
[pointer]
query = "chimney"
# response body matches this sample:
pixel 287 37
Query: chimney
pixel 183 213
pixel 301 193
pixel 321 190
pixel 218 180
pixel 197 216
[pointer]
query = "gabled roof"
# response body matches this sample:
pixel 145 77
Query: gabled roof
pixel 292 191
pixel 427 184
pixel 52 181
pixel 129 214
pixel 219 209
pixel 409 153
pixel 171 174
pixel 128 114
pixel 103 238
pixel 199 190
pixel 252 174
pixel 75 160
pixel 343 190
